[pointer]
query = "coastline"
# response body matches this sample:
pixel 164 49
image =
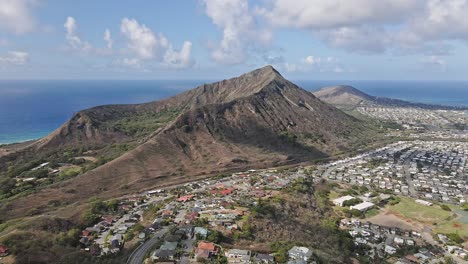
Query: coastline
pixel 19 141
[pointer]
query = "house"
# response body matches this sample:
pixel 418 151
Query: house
pixel 201 232
pixel 399 241
pixel 226 191
pixel 169 246
pixel 3 251
pixel 341 200
pixel 300 253
pixel 163 254
pixel 187 229
pixel 142 236
pixel 191 216
pixel 390 250
pixel 206 250
pixel 167 214
pixel 238 256
pixel 185 198
pixel 426 203
pixel 364 206
pixel 264 258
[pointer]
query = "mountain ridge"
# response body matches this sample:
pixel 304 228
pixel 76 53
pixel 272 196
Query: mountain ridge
pixel 346 96
pixel 256 120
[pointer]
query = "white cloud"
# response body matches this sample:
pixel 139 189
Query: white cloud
pixel 108 39
pixel 131 62
pixel 141 39
pixel 15 16
pixel 369 26
pixel 179 59
pixel 146 45
pixel 15 58
pixel 441 19
pixel 362 39
pixel 320 14
pixel 239 29
pixel 311 60
pixel 73 40
pixel 321 64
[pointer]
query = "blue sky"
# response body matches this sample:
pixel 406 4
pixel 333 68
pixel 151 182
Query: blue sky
pixel 212 39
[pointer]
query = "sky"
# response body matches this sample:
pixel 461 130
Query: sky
pixel 212 39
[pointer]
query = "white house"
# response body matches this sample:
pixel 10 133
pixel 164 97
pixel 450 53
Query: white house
pixel 364 206
pixel 238 256
pixel 390 250
pixel 341 200
pixel 300 253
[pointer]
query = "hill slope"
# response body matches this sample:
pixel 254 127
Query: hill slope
pixel 348 97
pixel 256 120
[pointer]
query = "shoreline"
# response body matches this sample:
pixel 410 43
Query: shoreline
pixel 21 141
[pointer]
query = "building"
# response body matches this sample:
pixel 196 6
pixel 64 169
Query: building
pixel 426 203
pixel 201 232
pixel 238 256
pixel 163 254
pixel 341 200
pixel 3 251
pixel 364 206
pixel 205 250
pixel 390 250
pixel 264 258
pixel 300 253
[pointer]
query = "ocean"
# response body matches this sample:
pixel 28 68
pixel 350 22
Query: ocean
pixel 33 109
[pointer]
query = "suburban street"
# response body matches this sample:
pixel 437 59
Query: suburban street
pixel 139 254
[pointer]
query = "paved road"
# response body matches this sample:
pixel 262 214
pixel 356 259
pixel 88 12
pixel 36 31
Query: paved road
pixel 138 256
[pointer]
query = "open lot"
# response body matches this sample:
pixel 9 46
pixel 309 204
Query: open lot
pixel 386 218
pixel 408 208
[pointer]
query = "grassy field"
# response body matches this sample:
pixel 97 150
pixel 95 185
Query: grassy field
pixel 440 220
pixel 424 214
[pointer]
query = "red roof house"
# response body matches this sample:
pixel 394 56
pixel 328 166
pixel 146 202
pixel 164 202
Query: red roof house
pixel 206 250
pixel 3 251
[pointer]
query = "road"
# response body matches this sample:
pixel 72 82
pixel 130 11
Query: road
pixel 138 256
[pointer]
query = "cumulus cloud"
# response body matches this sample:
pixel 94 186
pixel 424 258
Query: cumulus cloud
pixel 313 63
pixel 368 26
pixel 74 41
pixel 240 31
pixel 322 64
pixel 146 45
pixel 15 58
pixel 179 59
pixel 319 14
pixel 440 20
pixel 141 39
pixel 108 39
pixel 15 16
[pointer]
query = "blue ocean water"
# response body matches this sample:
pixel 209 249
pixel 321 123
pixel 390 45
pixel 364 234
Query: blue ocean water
pixel 32 109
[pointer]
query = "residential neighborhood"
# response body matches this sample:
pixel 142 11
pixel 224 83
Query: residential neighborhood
pixel 191 217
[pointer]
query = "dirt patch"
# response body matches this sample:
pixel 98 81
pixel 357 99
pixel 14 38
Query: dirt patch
pixel 88 158
pixel 386 218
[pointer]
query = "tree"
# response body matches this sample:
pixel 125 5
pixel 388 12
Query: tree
pixel 445 207
pixel 215 237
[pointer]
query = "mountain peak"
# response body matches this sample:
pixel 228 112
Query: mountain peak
pixel 268 69
pixel 341 90
pixel 265 73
